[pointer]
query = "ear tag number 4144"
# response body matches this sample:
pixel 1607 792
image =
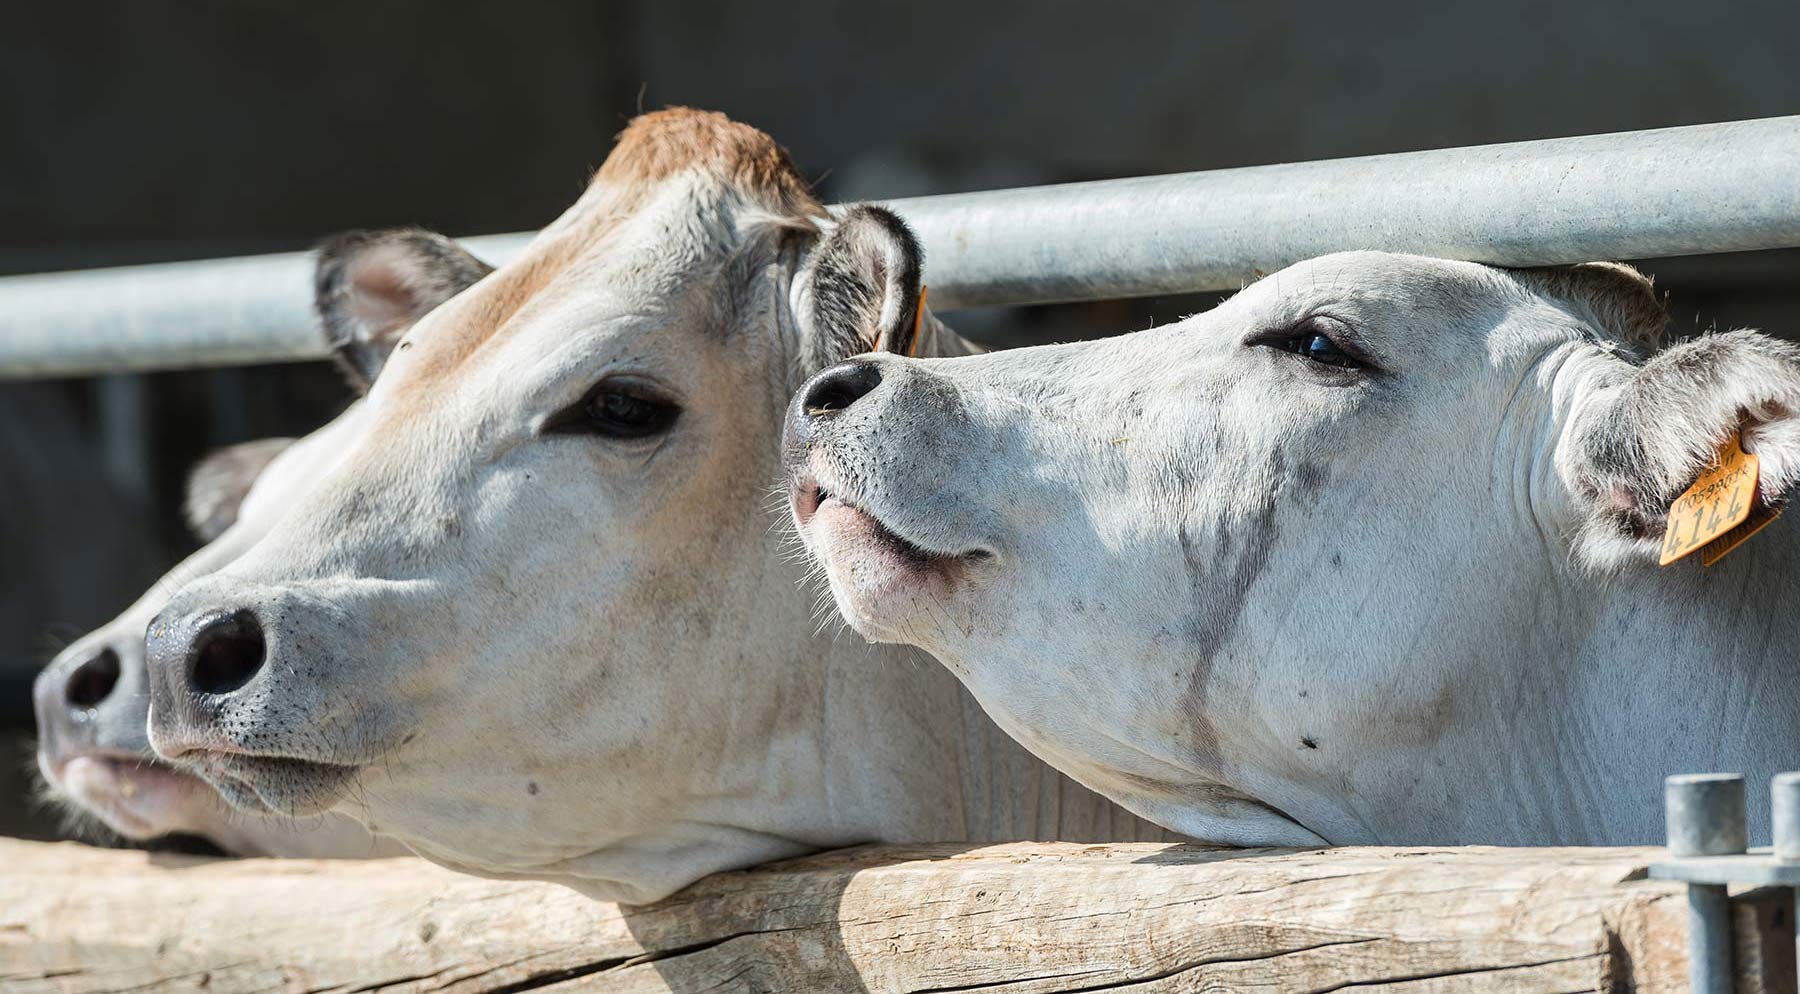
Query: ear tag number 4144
pixel 1720 510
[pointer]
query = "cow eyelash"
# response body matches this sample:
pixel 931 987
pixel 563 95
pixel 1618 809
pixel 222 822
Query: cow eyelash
pixel 1320 340
pixel 617 409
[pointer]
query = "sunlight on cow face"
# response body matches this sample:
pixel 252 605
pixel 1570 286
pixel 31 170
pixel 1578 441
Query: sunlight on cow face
pixel 1158 557
pixel 994 475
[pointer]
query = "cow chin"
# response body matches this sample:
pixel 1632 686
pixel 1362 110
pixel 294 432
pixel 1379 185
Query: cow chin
pixel 262 765
pixel 887 586
pixel 136 797
pixel 274 785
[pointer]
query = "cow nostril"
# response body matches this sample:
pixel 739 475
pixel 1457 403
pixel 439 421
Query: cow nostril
pixel 840 386
pixel 93 680
pixel 227 653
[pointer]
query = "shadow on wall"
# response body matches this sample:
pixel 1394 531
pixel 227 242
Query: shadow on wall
pixel 73 548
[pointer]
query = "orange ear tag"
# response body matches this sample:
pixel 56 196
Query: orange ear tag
pixel 1720 510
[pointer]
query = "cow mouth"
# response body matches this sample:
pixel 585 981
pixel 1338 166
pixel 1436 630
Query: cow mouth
pixel 285 786
pixel 883 579
pixel 812 499
pixel 137 796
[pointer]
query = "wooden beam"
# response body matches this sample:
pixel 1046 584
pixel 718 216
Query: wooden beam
pixel 1023 918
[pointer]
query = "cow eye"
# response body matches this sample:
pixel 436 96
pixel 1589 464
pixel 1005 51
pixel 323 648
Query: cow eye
pixel 618 414
pixel 1320 348
pixel 617 410
pixel 1314 339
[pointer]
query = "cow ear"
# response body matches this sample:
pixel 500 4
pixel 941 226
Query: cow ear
pixel 371 286
pixel 1616 301
pixel 1639 435
pixel 218 484
pixel 858 290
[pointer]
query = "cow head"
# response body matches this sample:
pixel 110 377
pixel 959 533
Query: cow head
pixel 93 701
pixel 1210 569
pixel 536 622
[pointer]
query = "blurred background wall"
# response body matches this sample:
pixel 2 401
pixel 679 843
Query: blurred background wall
pixel 146 130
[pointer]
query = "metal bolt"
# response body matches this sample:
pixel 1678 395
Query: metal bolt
pixel 1784 795
pixel 1704 813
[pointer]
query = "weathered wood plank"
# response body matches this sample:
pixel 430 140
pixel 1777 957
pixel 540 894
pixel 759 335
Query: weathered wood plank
pixel 1028 918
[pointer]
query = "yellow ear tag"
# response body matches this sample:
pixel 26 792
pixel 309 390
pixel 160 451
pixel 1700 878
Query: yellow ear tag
pixel 1719 511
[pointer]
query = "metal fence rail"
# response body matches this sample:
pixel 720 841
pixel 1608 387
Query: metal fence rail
pixel 1637 195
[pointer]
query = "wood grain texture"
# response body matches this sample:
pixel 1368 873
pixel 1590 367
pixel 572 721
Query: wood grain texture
pixel 1021 918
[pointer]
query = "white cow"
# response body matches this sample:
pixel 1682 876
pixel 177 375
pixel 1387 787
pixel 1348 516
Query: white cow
pixel 541 622
pixel 1367 554
pixel 92 701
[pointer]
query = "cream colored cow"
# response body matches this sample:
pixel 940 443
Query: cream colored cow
pixel 539 621
pixel 1367 554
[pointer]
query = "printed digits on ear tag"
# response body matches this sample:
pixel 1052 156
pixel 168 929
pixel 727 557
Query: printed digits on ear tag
pixel 1717 502
pixel 1671 544
pixel 1713 522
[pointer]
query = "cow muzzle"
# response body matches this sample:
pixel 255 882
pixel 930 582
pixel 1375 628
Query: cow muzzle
pixel 75 695
pixel 240 704
pixel 92 750
pixel 200 666
pixel 865 502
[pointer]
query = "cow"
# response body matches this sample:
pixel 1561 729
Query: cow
pixel 1367 554
pixel 540 622
pixel 92 700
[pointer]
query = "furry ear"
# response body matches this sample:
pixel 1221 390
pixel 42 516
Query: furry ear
pixel 218 484
pixel 1638 436
pixel 1613 299
pixel 371 286
pixel 858 291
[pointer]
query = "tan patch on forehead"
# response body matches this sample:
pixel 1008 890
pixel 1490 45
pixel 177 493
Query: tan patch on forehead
pixel 460 327
pixel 652 149
pixel 660 144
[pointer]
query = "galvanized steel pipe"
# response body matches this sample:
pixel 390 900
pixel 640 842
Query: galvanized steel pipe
pixel 1646 194
pixel 213 312
pixel 1638 195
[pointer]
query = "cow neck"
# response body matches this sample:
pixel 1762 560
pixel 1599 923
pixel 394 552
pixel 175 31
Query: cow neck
pixel 911 757
pixel 896 718
pixel 907 754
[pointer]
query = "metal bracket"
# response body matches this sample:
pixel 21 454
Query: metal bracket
pixel 1709 849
